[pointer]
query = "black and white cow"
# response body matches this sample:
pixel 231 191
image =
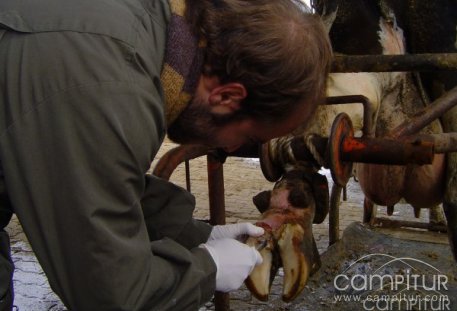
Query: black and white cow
pixel 362 27
pixel 358 27
pixel 431 27
pixel 413 26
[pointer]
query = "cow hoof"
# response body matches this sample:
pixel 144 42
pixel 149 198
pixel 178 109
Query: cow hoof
pixel 284 248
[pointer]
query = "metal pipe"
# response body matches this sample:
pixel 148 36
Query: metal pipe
pixel 187 167
pixel 368 109
pixel 216 190
pixel 443 142
pixel 427 115
pixel 416 150
pixel 387 63
pixel 392 223
pixel 217 213
pixel 170 160
pixel 334 215
pixel 386 151
pixel 222 301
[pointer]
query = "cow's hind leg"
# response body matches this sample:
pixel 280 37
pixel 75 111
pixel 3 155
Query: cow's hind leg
pixel 436 216
pixel 369 211
pixel 450 201
pixel 450 196
pixel 450 210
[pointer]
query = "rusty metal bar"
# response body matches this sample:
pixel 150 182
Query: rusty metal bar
pixel 170 160
pixel 221 301
pixel 216 190
pixel 415 150
pixel 334 215
pixel 187 167
pixel 217 213
pixel 427 115
pixel 443 142
pixel 387 63
pixel 386 151
pixel 392 223
pixel 368 109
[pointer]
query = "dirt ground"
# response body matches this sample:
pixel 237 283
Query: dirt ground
pixel 243 179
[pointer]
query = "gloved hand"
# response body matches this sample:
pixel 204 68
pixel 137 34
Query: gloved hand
pixel 234 231
pixel 234 261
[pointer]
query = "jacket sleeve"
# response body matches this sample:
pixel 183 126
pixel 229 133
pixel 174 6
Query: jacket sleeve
pixel 168 211
pixel 76 183
pixel 74 156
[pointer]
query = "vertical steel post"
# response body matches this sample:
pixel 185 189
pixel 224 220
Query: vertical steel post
pixel 217 213
pixel 187 167
pixel 334 215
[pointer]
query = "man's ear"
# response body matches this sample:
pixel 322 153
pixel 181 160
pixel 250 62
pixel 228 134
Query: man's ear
pixel 227 98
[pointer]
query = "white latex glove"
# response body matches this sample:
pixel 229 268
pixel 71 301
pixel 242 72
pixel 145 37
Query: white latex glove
pixel 234 261
pixel 234 231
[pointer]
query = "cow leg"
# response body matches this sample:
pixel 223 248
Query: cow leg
pixel 436 216
pixel 369 211
pixel 450 201
pixel 450 211
pixel 449 121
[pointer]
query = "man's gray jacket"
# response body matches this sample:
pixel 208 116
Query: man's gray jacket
pixel 81 119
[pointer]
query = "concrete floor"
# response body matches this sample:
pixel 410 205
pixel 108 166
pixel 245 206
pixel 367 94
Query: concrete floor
pixel 243 179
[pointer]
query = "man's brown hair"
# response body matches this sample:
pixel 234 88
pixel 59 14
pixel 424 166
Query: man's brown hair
pixel 277 49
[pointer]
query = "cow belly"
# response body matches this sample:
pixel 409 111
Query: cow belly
pixel 420 186
pixel 424 185
pixel 382 184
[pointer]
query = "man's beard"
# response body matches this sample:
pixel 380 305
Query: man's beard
pixel 197 125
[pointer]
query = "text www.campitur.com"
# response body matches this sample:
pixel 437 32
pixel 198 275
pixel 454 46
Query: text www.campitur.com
pixel 399 302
